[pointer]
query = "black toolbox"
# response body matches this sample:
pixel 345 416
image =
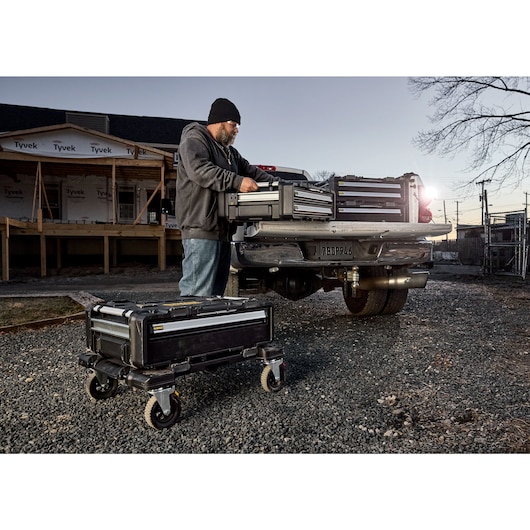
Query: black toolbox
pixel 278 201
pixel 366 199
pixel 148 345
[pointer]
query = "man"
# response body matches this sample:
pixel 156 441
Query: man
pixel 208 164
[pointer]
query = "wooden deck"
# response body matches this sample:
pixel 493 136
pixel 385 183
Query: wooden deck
pixel 108 232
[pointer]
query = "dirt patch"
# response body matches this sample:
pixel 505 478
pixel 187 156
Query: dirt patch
pixel 23 310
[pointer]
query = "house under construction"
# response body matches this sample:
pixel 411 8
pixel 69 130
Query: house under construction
pixel 78 188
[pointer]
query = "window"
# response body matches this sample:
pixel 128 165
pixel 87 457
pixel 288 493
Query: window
pixel 126 204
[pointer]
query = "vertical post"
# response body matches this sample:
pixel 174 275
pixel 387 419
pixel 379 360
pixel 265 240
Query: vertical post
pixel 486 262
pixel 39 201
pixel 162 241
pixel 5 252
pixel 456 230
pixel 35 191
pixel 446 235
pixel 113 191
pixel 524 243
pixel 483 199
pixel 162 196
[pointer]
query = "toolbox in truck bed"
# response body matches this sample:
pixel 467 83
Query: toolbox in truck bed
pixel 281 200
pixel 365 199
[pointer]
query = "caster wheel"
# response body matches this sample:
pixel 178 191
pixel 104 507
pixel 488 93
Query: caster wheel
pixel 97 390
pixel 268 381
pixel 156 418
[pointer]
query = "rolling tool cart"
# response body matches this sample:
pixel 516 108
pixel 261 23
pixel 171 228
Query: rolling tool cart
pixel 148 345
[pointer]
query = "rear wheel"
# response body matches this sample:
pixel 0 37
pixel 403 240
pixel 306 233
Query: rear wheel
pixel 395 301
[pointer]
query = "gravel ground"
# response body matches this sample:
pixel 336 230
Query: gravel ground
pixel 447 375
pixel 446 378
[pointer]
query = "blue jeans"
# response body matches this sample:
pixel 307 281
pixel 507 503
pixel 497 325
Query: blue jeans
pixel 205 267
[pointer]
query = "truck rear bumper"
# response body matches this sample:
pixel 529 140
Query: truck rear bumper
pixel 330 254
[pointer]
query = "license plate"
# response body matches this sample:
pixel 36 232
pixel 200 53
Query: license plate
pixel 330 250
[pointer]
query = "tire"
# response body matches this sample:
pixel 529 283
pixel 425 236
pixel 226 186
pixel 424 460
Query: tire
pixel 268 381
pixel 395 301
pixel 366 303
pixel 98 391
pixel 156 419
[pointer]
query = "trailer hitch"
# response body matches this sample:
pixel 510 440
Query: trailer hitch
pixel 352 277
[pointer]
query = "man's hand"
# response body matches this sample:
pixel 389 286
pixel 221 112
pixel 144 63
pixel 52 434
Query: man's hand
pixel 247 185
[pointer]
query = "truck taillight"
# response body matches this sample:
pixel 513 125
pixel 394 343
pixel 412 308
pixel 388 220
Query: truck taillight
pixel 267 168
pixel 424 213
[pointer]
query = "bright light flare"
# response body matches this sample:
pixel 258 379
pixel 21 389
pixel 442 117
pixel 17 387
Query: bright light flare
pixel 430 193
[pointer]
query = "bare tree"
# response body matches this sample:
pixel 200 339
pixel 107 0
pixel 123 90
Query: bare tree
pixel 487 116
pixel 324 174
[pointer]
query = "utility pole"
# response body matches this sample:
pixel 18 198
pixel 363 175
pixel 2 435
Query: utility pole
pixel 445 220
pixel 457 203
pixel 482 197
pixel 486 261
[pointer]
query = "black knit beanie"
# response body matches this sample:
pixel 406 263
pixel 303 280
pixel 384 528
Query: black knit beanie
pixel 223 110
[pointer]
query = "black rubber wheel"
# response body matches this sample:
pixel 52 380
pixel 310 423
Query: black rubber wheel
pixel 365 303
pixel 156 418
pixel 268 381
pixel 98 391
pixel 395 301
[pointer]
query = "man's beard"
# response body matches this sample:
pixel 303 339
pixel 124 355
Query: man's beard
pixel 225 138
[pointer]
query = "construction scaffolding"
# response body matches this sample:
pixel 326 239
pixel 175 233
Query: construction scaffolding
pixel 506 243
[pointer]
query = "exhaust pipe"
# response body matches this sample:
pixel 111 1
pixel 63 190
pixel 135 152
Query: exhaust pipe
pixel 413 280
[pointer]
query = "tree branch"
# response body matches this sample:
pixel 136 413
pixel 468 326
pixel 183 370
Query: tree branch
pixel 478 115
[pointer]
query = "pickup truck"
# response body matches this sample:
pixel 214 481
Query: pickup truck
pixel 370 242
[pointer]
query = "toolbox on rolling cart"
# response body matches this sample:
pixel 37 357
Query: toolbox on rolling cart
pixel 278 201
pixel 148 345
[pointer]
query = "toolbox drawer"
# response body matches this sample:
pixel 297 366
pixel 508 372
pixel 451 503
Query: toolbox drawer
pixel 279 201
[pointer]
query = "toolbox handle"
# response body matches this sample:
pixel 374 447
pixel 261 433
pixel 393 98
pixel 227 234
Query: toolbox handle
pixel 267 184
pixel 115 311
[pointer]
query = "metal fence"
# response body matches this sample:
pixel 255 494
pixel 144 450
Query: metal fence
pixel 470 250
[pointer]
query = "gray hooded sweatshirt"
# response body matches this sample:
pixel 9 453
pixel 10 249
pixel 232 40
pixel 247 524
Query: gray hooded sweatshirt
pixel 206 168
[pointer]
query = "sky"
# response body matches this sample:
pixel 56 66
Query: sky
pixel 319 87
pixel 349 125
